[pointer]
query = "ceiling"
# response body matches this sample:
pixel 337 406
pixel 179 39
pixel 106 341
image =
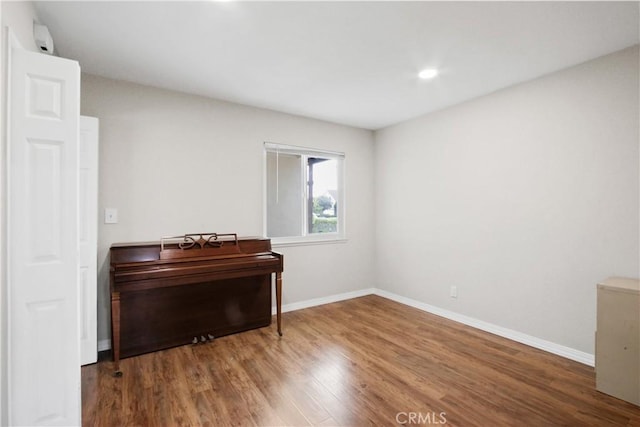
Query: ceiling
pixel 354 63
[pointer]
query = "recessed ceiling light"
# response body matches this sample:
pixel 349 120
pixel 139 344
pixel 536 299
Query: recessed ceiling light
pixel 428 73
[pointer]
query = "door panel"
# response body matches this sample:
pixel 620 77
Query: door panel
pixel 88 240
pixel 42 247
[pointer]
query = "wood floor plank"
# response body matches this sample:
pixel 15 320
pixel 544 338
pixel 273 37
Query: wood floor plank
pixel 365 361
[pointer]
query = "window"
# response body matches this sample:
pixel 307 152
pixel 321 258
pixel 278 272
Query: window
pixel 304 194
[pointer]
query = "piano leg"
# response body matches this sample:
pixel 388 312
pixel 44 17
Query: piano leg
pixel 279 301
pixel 115 332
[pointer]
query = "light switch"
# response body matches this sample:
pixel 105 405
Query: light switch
pixel 111 216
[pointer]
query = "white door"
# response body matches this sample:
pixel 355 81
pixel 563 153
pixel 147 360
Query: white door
pixel 88 240
pixel 42 247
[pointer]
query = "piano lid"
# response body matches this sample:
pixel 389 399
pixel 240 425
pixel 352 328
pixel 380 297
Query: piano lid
pixel 189 247
pixel 188 259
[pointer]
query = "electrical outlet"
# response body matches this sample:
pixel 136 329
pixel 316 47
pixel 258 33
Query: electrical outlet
pixel 454 292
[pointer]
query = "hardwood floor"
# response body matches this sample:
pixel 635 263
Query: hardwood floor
pixel 366 361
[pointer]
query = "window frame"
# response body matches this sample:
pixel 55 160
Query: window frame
pixel 306 238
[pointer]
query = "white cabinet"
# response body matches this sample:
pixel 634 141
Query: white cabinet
pixel 618 339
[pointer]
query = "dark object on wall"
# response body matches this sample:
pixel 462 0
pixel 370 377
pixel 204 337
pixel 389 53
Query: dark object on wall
pixel 168 293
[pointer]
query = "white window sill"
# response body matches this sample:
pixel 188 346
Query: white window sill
pixel 282 243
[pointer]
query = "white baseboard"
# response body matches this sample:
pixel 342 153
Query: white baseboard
pixel 551 347
pixel 104 345
pixel 324 300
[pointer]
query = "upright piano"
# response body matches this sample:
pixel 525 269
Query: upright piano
pixel 190 289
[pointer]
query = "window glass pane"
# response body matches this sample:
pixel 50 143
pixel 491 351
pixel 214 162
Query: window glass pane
pixel 304 193
pixel 284 195
pixel 323 195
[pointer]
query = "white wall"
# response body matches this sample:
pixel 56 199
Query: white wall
pixel 524 199
pixel 173 163
pixel 19 16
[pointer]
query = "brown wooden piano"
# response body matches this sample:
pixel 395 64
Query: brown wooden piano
pixel 190 289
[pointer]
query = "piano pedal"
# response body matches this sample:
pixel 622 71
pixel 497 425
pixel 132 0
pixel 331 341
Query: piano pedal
pixel 211 337
pixel 202 338
pixel 194 341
